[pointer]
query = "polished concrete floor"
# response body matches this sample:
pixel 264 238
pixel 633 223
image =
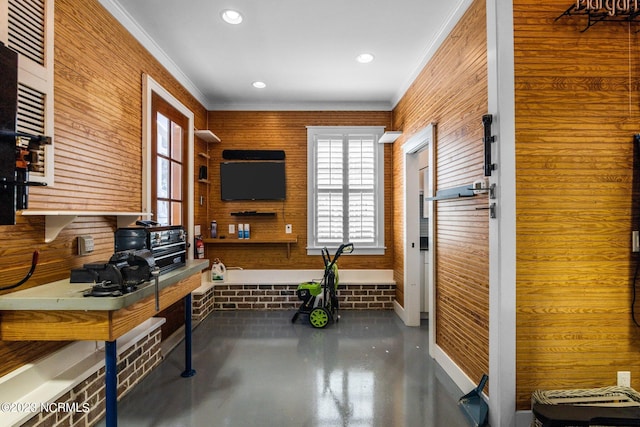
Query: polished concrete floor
pixel 257 368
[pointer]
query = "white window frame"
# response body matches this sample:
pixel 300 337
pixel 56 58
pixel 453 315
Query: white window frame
pixel 149 85
pixel 313 132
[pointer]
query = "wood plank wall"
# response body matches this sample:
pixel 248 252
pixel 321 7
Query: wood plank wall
pixel 451 91
pixel 283 130
pixel 577 109
pixel 98 119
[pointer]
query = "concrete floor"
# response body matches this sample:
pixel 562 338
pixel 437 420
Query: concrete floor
pixel 257 368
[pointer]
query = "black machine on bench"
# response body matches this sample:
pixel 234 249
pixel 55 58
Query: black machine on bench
pixel 168 244
pixel 122 274
pixel 141 253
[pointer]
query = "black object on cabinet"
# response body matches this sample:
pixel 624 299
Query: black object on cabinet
pixel 8 112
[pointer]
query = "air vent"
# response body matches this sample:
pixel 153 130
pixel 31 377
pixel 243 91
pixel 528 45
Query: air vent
pixel 31 109
pixel 27 28
pixel 31 119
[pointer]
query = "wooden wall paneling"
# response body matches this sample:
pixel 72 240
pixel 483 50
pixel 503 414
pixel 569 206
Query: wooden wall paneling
pixel 98 118
pixel 576 113
pixel 452 92
pixel 283 130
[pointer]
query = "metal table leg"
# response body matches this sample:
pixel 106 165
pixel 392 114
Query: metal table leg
pixel 111 384
pixel 188 371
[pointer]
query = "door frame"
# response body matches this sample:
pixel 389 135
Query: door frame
pixel 410 313
pixel 150 86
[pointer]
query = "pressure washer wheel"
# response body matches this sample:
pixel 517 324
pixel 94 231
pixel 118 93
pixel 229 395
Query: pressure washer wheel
pixel 319 317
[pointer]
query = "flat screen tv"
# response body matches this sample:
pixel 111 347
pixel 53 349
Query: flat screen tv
pixel 252 180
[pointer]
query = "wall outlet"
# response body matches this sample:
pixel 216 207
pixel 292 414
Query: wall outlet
pixel 85 245
pixel 624 379
pixel 288 229
pixel 232 229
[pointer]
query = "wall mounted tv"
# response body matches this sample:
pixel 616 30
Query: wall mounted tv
pixel 252 180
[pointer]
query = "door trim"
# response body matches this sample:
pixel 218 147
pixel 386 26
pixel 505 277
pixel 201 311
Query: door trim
pixel 422 140
pixel 150 86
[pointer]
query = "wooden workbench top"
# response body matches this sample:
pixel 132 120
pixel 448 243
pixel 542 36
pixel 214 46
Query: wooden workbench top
pixel 63 295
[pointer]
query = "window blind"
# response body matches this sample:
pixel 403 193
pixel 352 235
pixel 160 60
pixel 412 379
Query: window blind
pixel 345 192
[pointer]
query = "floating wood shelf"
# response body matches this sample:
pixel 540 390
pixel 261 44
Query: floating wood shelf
pixel 288 241
pixel 56 221
pixel 206 135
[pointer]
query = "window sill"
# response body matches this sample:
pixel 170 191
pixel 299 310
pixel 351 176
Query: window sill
pixel 356 250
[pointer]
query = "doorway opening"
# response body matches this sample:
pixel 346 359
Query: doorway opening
pixel 419 173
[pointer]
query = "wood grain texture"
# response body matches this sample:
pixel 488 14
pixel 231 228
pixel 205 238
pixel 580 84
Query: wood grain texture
pixel 51 325
pixel 577 108
pixel 451 91
pixel 98 118
pixel 55 325
pixel 126 318
pixel 282 130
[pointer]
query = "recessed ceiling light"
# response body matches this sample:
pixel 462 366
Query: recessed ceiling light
pixel 259 85
pixel 231 16
pixel 364 58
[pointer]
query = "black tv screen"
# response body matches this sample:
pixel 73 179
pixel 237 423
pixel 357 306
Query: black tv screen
pixel 253 180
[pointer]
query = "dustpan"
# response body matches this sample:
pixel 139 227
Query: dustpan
pixel 474 406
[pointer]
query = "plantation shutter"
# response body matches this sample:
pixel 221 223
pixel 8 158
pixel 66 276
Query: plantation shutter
pixel 361 172
pixel 27 19
pixel 346 199
pixel 330 175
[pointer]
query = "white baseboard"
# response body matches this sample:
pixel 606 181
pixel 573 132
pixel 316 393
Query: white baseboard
pixel 461 379
pixel 399 310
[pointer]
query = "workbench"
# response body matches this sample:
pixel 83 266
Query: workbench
pixel 59 311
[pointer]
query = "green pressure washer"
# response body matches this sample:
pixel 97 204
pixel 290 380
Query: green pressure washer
pixel 320 299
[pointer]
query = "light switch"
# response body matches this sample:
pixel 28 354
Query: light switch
pixel 85 245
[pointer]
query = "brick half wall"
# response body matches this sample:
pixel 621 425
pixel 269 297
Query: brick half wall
pixel 235 296
pixel 84 404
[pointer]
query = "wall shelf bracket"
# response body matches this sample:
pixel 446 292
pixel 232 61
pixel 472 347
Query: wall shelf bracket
pixel 453 193
pixel 56 221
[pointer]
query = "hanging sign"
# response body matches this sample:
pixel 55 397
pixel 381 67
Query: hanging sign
pixel 610 7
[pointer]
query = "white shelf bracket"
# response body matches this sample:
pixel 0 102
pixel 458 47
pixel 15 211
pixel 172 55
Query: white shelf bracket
pixel 54 224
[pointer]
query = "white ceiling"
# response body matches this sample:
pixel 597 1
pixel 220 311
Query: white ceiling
pixel 304 50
